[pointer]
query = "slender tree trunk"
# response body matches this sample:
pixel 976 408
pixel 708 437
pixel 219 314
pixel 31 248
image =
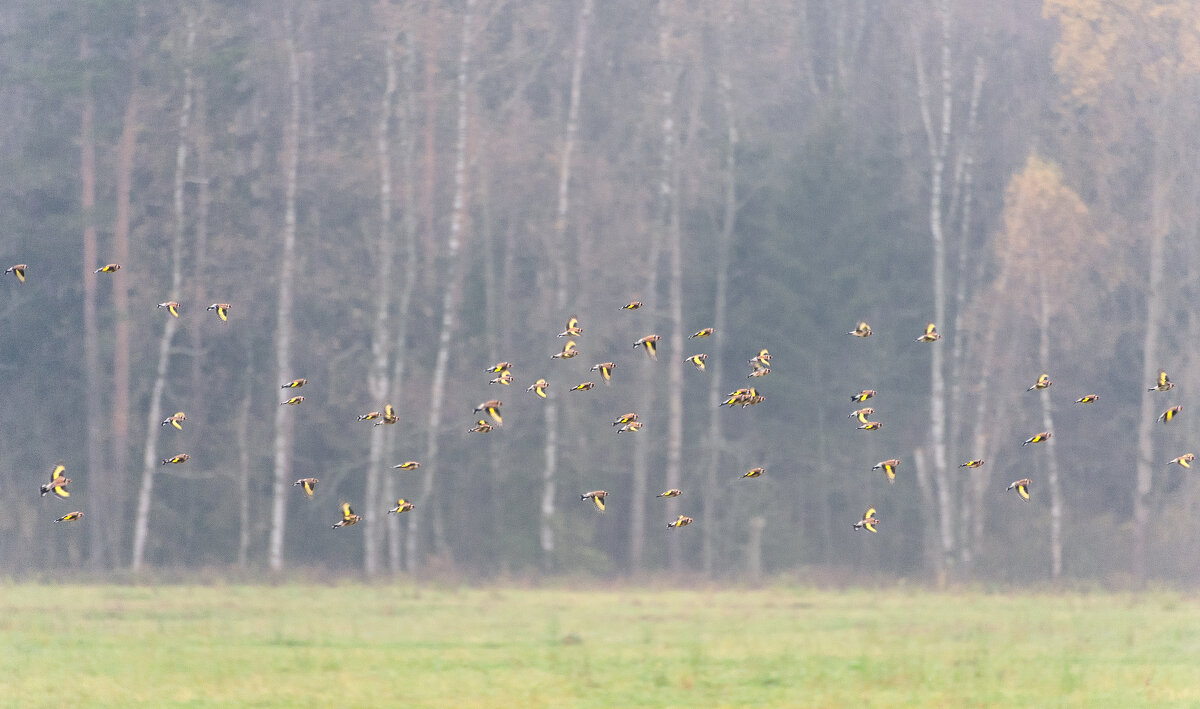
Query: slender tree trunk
pixel 98 474
pixel 381 339
pixel 429 173
pixel 562 213
pixel 450 299
pixel 150 461
pixel 199 244
pixel 711 499
pixel 283 335
pixel 939 141
pixel 243 478
pixel 1052 475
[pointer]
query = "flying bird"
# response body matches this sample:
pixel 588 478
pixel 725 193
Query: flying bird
pixel 863 330
pixel 58 482
pixel 573 329
pixel 650 342
pixel 754 473
pixel 1171 413
pixel 177 459
pixel 683 521
pixel 1039 438
pixel 978 462
pixel 348 517
pixel 499 367
pixel 19 272
pixel 888 467
pixel 632 306
pixel 761 361
pixel 1163 383
pixel 673 492
pixel 292 401
pixel 294 384
pixel 108 268
pixel 931 334
pixel 389 416
pixel 1089 399
pixel 759 373
pixel 1043 381
pixel 222 310
pixel 492 407
pixel 407 465
pixel 309 485
pixel 631 427
pixel 697 360
pixel 70 517
pixel 171 306
pixel 539 387
pixel 584 386
pixel 568 351
pixel 862 414
pixel 370 416
pixel 871 426
pixel 1022 488
pixel 597 498
pixel 706 332
pixel 402 506
pixel 176 419
pixel 868 521
pixel 482 426
pixel 863 395
pixel 1184 461
pixel 505 378
pixel 625 418
pixel 605 369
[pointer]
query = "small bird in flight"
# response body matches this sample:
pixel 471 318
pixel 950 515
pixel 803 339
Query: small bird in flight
pixel 633 305
pixel 868 521
pixel 389 416
pixel 58 482
pixel 505 378
pixel 862 414
pixel 1039 438
pixel 222 310
pixel 176 419
pixel 706 332
pixel 19 272
pixel 492 407
pixel 1163 383
pixel 650 343
pixel 863 395
pixel 631 427
pixel 761 361
pixel 1022 488
pixel 309 485
pixel 754 472
pixel 697 360
pixel 1171 413
pixel 972 463
pixel 863 330
pixel 931 334
pixel 292 401
pixel 626 418
pixel 349 519
pixel 871 426
pixel 407 465
pixel 573 329
pixel 605 369
pixel 370 416
pixel 597 498
pixel 402 506
pixel 1184 461
pixel 568 351
pixel 177 459
pixel 1089 399
pixel 499 367
pixel 294 384
pixel 888 467
pixel 1043 381
pixel 70 517
pixel 683 521
pixel 673 492
pixel 482 426
pixel 539 387
pixel 584 386
pixel 171 306
pixel 109 268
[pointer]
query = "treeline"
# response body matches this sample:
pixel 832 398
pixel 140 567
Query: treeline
pixel 392 197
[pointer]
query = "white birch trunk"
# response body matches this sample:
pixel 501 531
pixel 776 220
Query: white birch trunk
pixel 1052 473
pixel 150 459
pixel 283 334
pixel 669 196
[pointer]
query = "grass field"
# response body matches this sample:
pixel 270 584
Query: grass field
pixel 374 646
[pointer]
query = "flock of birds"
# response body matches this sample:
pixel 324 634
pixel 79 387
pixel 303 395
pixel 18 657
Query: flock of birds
pixel 491 418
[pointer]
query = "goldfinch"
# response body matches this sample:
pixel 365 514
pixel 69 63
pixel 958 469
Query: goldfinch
pixel 370 416
pixel 625 418
pixel 492 408
pixel 348 517
pixel 863 330
pixel 584 386
pixel 754 473
pixel 19 272
pixel 482 426
pixel 1184 461
pixel 976 463
pixel 1164 383
pixel 761 361
pixel 597 498
pixel 402 506
pixel 706 332
pixel 1039 438
pixel 539 387
pixel 682 521
pixel 177 459
pixel 295 384
pixel 222 310
pixel 407 465
pixel 505 378
pixel 1042 382
pixel 58 482
pixel 888 467
pixel 176 419
pixel 871 426
pixel 631 427
pixel 499 367
pixel 292 401
pixel 1089 399
pixel 931 334
pixel 759 373
pixel 1170 413
pixel 573 329
pixel 309 485
pixel 605 369
pixel 108 268
pixel 868 521
pixel 697 360
pixel 389 416
pixel 568 351
pixel 863 395
pixel 632 306
pixel 861 414
pixel 70 517
pixel 650 343
pixel 1022 488
pixel 673 492
pixel 171 306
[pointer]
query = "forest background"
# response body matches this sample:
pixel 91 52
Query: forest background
pixel 394 196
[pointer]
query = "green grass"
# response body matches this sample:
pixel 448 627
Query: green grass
pixel 375 646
